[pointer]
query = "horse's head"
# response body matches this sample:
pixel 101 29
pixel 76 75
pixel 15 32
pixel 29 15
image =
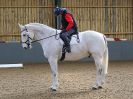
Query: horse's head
pixel 26 37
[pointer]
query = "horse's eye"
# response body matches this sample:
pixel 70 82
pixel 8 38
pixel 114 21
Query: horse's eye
pixel 24 34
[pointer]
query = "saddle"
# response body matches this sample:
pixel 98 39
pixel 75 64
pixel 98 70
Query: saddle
pixel 74 40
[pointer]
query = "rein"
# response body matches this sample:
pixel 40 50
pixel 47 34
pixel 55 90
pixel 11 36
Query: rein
pixel 46 37
pixel 27 42
pixel 55 37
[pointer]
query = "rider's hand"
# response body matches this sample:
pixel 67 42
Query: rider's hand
pixel 64 30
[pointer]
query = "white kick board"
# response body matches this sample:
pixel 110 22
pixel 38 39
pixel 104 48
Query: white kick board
pixel 10 65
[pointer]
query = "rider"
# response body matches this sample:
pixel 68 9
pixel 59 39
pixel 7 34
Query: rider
pixel 69 26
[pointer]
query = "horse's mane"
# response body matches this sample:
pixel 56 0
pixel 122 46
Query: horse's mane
pixel 39 26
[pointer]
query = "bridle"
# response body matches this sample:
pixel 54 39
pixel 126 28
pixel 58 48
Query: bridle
pixel 29 38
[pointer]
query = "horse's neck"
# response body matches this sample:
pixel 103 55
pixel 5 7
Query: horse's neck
pixel 41 34
pixel 45 34
pixel 42 31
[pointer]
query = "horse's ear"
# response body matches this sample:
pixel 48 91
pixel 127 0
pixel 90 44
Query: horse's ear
pixel 21 26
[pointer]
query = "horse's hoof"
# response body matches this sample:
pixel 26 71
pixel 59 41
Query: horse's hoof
pixel 94 88
pixel 53 90
pixel 100 87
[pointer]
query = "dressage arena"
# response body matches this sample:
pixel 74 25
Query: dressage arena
pixel 76 79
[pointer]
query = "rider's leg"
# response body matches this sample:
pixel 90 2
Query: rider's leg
pixel 71 32
pixel 65 38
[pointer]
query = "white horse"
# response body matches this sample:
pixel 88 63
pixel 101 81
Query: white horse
pixel 91 42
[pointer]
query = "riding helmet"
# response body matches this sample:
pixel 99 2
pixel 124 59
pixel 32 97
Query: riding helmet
pixel 58 10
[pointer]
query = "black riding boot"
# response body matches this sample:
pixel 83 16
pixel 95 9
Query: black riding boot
pixel 66 40
pixel 67 44
pixel 68 48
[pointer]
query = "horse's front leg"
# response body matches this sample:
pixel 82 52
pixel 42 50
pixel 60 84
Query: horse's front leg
pixel 54 70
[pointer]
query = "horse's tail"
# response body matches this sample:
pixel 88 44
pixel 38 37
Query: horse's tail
pixel 105 57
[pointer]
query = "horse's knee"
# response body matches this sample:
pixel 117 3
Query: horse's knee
pixel 100 71
pixel 54 73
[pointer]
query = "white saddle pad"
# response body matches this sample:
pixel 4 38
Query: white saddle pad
pixel 73 41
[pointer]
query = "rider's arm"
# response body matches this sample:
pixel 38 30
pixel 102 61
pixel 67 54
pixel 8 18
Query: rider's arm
pixel 69 19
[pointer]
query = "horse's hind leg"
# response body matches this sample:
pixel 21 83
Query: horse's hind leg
pixel 99 71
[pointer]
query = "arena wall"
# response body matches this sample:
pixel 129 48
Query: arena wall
pixel 14 53
pixel 114 18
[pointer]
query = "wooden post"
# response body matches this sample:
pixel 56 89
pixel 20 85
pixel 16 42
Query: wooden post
pixel 106 17
pixel 57 18
pixel 114 16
